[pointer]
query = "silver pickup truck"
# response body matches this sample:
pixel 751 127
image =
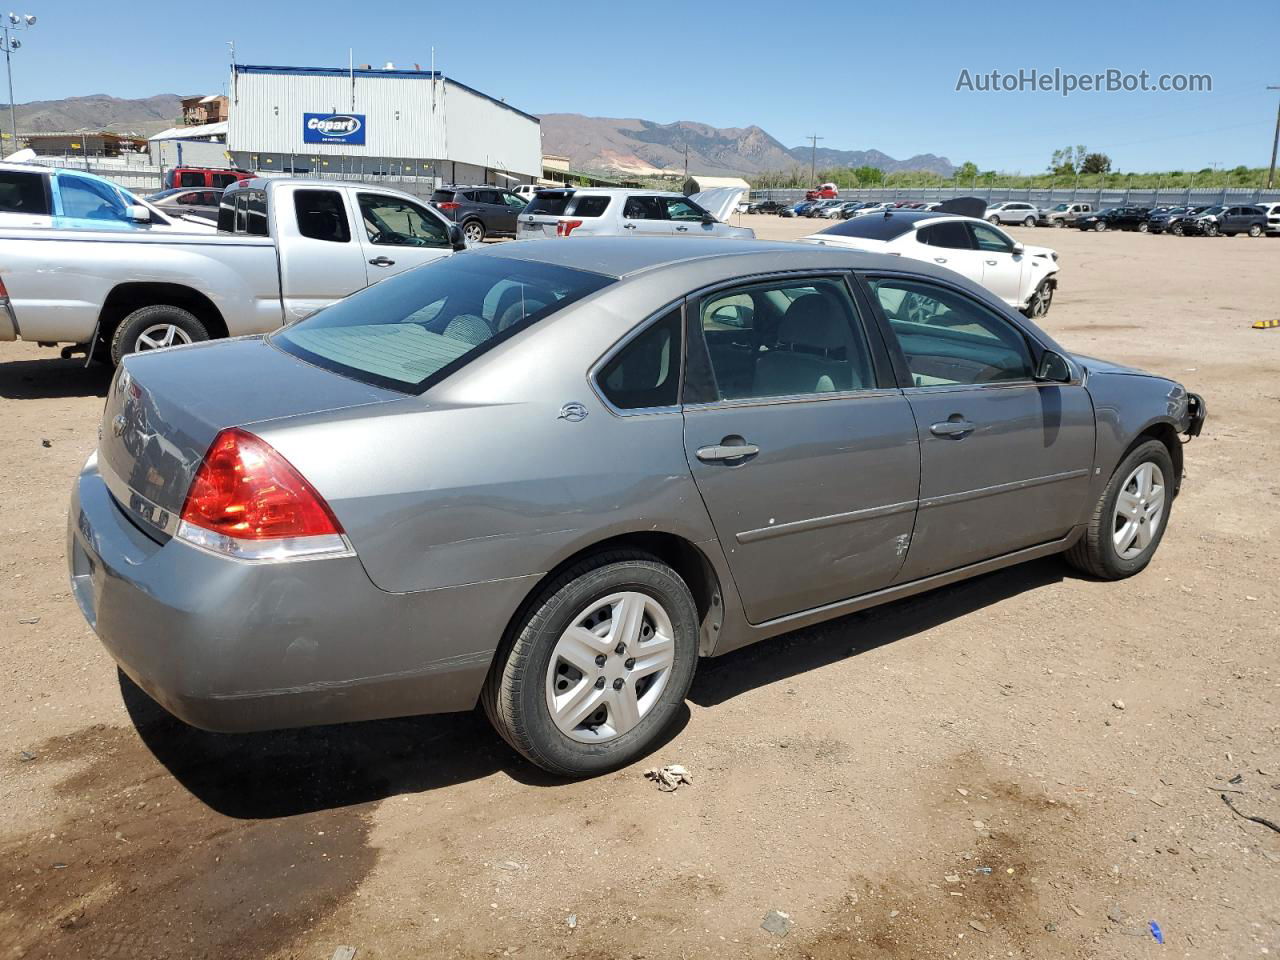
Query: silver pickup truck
pixel 284 249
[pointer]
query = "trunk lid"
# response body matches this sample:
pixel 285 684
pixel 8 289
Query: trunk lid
pixel 165 407
pixel 720 202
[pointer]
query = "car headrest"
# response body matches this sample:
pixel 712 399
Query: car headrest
pixel 814 321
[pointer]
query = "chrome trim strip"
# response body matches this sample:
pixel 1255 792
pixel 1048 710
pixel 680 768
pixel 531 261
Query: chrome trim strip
pixel 792 398
pixel 136 505
pixel 13 317
pixel 999 488
pixel 819 523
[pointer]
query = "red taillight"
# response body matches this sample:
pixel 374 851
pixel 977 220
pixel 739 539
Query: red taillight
pixel 566 227
pixel 448 205
pixel 4 293
pixel 245 490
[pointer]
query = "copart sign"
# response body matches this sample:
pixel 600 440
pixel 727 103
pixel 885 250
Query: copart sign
pixel 333 128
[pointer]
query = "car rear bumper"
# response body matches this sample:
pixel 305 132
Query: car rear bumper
pixel 232 646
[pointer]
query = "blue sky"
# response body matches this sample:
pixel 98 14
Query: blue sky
pixel 861 75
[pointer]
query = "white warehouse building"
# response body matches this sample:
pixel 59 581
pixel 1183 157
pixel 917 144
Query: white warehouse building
pixel 365 121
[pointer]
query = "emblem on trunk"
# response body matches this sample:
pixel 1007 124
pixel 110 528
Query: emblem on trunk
pixel 573 412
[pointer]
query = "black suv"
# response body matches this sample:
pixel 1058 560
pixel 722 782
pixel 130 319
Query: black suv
pixel 480 211
pixel 1115 218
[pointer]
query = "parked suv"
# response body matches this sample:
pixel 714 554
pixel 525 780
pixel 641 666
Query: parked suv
pixel 203 177
pixel 626 213
pixel 1171 219
pixel 1013 211
pixel 1229 221
pixel 1272 209
pixel 481 211
pixel 1064 214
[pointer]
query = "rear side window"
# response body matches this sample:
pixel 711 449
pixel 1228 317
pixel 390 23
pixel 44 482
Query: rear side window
pixel 551 204
pixel 256 208
pixel 951 234
pixel 644 208
pixel 224 179
pixel 321 215
pixel 191 178
pixel 591 206
pixel 23 193
pixel 646 372
pixel 414 329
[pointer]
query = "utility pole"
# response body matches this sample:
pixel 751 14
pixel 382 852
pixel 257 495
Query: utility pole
pixel 813 158
pixel 1275 142
pixel 686 161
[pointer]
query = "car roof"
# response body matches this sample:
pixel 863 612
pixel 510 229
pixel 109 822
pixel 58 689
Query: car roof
pixel 614 191
pixel 720 257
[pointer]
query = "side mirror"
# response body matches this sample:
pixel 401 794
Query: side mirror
pixel 456 240
pixel 137 213
pixel 708 218
pixel 1018 248
pixel 1054 368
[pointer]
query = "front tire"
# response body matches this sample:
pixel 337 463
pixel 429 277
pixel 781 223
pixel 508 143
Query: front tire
pixel 1100 226
pixel 1130 517
pixel 1029 222
pixel 993 219
pixel 1177 229
pixel 151 328
pixel 1144 227
pixel 596 671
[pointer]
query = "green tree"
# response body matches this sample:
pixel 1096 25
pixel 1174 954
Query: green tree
pixel 1096 163
pixel 966 171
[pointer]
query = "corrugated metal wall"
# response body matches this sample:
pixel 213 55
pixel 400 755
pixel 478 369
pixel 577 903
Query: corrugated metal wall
pixel 406 117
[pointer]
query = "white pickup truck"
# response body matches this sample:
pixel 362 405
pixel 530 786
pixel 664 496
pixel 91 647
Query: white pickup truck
pixel 284 249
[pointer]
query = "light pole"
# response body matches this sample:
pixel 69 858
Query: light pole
pixel 12 24
pixel 1275 143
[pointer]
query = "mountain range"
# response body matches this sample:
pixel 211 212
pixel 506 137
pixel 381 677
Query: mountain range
pixel 602 144
pixel 642 147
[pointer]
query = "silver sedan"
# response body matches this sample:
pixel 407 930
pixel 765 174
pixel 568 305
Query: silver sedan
pixel 550 477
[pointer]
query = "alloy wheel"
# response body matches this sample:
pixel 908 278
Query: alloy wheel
pixel 160 335
pixel 1139 511
pixel 610 666
pixel 473 233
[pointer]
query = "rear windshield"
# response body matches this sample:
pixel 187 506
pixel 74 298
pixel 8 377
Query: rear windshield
pixel 552 204
pixel 871 227
pixel 442 196
pixel 413 330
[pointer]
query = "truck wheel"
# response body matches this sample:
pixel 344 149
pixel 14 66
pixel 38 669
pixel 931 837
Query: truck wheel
pixel 151 328
pixel 1130 517
pixel 1059 224
pixel 473 232
pixel 598 668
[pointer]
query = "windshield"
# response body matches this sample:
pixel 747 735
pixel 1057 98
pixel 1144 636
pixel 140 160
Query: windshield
pixel 413 330
pixel 1061 206
pixel 1212 211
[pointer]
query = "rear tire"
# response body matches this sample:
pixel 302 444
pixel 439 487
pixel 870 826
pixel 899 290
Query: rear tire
pixel 1096 553
pixel 540 665
pixel 993 219
pixel 1255 231
pixel 153 327
pixel 473 232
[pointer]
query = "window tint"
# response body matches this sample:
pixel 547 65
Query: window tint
pixel 953 234
pixel 256 209
pixel 223 179
pixel 191 179
pixel 988 239
pixel 679 209
pixel 644 208
pixel 591 206
pixel 87 199
pixel 514 201
pixel 785 338
pixel 949 339
pixel 395 222
pixel 242 212
pixel 321 215
pixel 413 329
pixel 552 204
pixel 646 373
pixel 23 193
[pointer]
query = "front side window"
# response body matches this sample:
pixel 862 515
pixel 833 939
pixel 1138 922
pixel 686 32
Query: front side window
pixel 413 329
pixel 191 179
pixel 948 339
pixel 321 215
pixel 86 199
pixel 514 201
pixel 23 193
pixel 785 338
pixel 644 208
pixel 989 239
pixel 224 179
pixel 395 222
pixel 646 372
pixel 680 209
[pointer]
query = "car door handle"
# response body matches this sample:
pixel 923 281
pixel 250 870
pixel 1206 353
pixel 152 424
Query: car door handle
pixel 992 263
pixel 958 428
pixel 381 262
pixel 682 229
pixel 628 226
pixel 723 451
pixel 939 259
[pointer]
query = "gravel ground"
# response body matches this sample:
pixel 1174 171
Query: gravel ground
pixel 1030 764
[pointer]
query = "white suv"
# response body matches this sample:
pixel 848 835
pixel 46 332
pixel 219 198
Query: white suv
pixel 1012 211
pixel 650 213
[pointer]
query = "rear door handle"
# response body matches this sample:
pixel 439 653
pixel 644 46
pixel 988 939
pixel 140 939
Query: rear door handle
pixel 721 451
pixel 381 262
pixel 939 259
pixel 682 229
pixel 958 428
pixel 628 226
pixel 992 263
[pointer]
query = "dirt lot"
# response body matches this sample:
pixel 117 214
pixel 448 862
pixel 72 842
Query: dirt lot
pixel 1025 765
